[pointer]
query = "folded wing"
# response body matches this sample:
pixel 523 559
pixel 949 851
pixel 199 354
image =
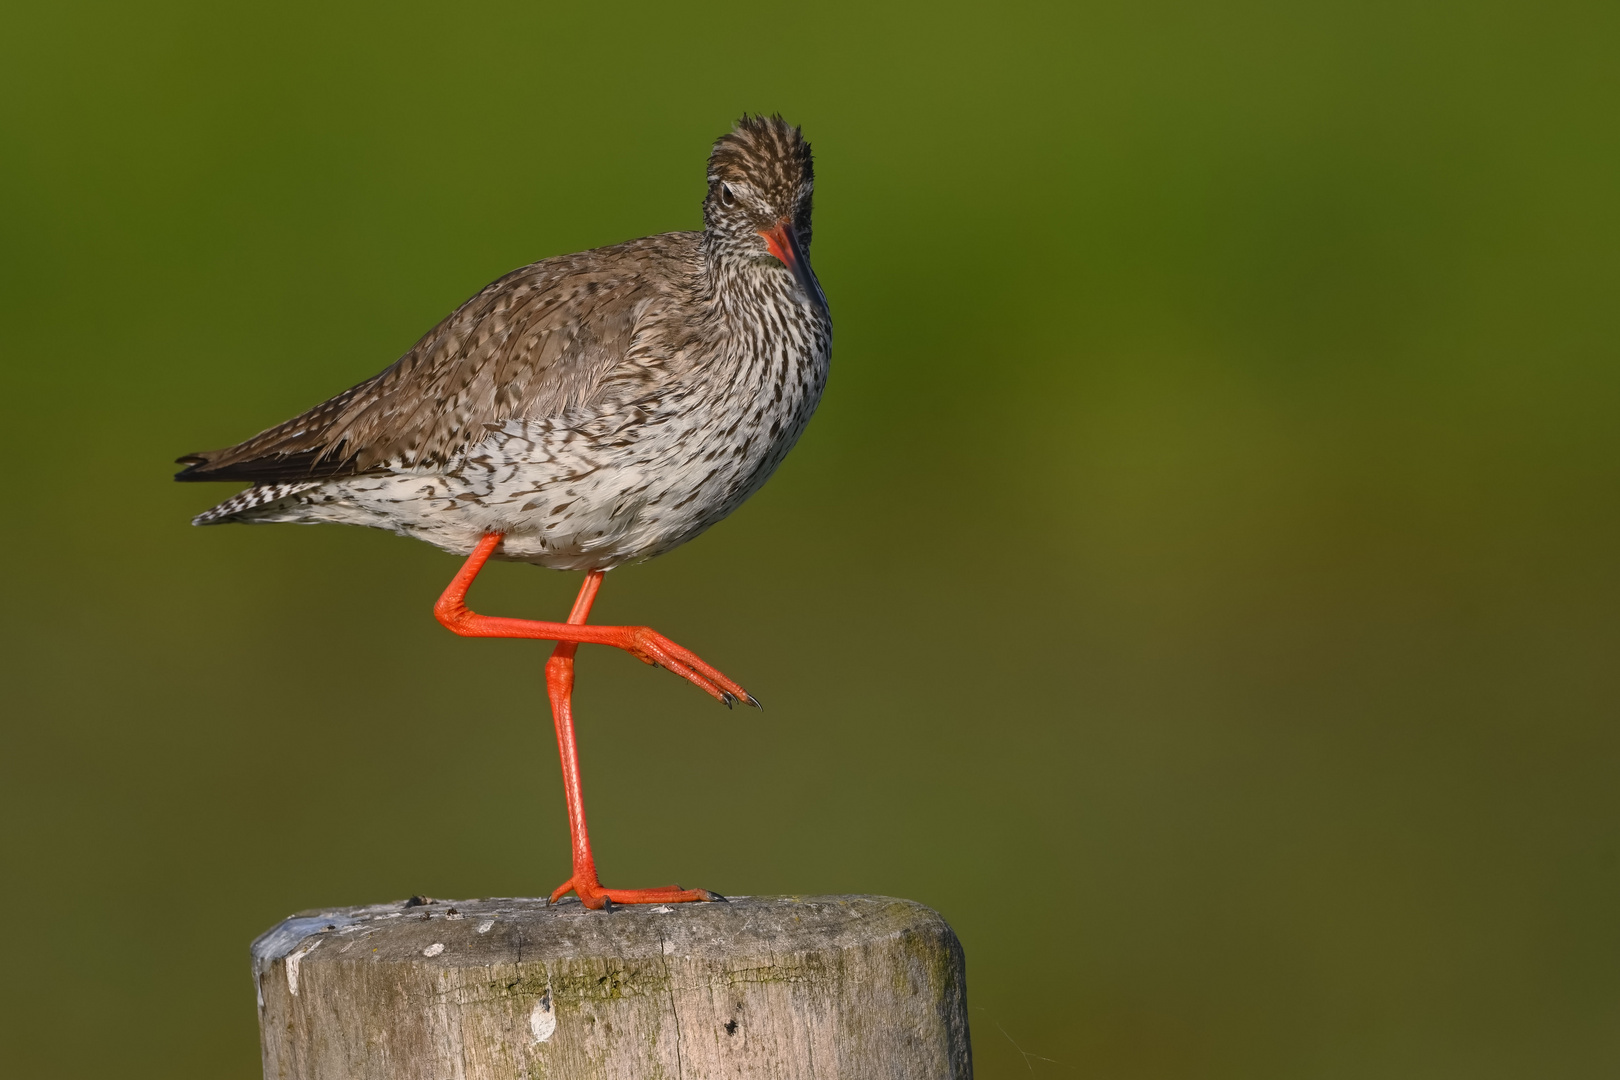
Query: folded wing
pixel 532 344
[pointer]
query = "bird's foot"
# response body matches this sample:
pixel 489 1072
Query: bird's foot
pixel 595 897
pixel 651 647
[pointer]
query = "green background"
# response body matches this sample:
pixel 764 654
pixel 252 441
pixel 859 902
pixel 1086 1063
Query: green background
pixel 1201 582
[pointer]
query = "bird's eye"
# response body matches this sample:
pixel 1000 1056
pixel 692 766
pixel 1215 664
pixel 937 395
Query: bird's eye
pixel 726 197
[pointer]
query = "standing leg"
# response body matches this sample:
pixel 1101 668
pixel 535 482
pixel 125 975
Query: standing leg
pixel 560 688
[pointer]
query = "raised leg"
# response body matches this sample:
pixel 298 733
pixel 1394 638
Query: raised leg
pixel 452 611
pixel 644 643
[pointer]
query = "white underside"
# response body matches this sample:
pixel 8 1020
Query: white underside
pixel 540 482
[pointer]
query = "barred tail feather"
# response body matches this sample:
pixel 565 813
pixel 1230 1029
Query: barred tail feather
pixel 251 499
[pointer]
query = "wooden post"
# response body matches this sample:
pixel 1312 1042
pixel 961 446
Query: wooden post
pixel 860 987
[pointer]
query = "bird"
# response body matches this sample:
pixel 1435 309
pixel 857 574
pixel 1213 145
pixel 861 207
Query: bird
pixel 581 413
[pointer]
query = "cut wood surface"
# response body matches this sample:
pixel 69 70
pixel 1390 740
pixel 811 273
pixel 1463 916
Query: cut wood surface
pixel 767 986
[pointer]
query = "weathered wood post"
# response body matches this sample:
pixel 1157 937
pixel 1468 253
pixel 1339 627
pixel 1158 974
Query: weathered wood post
pixel 859 987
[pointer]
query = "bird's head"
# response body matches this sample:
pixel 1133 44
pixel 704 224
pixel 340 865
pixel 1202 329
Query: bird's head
pixel 761 179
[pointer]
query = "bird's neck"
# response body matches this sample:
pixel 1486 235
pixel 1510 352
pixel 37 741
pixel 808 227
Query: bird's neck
pixel 742 285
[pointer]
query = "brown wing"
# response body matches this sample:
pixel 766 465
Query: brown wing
pixel 537 341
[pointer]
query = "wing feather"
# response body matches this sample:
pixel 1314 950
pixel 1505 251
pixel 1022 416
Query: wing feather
pixel 541 339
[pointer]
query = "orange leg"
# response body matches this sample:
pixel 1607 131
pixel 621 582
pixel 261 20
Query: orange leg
pixel 643 643
pixel 452 612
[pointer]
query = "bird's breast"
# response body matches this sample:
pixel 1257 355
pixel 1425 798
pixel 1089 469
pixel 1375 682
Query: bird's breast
pixel 623 481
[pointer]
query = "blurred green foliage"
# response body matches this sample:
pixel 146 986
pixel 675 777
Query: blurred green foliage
pixel 1200 582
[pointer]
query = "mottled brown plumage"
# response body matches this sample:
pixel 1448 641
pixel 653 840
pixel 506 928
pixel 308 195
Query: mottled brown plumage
pixel 551 335
pixel 594 408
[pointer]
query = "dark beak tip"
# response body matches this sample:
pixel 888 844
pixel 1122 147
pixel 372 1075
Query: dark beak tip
pixel 783 240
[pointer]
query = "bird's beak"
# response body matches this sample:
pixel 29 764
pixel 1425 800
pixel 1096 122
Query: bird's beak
pixel 783 240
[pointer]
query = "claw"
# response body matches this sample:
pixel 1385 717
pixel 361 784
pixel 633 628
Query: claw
pixel 714 897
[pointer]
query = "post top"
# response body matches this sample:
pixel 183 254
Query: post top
pixel 459 933
pixel 797 987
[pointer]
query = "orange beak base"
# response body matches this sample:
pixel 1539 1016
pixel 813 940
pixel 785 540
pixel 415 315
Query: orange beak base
pixel 777 240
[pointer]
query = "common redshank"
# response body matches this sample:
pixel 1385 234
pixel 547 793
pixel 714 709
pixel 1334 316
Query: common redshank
pixel 581 413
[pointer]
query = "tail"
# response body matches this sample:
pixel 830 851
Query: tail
pixel 254 497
